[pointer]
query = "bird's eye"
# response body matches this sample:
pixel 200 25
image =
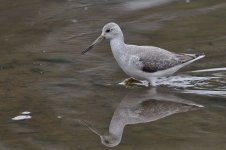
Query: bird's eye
pixel 108 30
pixel 106 141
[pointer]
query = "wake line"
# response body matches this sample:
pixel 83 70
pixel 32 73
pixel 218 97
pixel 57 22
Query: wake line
pixel 211 70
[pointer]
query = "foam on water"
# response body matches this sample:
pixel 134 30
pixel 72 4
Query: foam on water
pixel 23 116
pixel 199 83
pixel 213 83
pixel 184 81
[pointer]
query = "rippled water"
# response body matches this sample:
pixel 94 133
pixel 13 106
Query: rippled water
pixel 43 72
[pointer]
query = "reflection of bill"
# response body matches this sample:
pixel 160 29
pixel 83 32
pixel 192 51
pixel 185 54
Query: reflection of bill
pixel 141 107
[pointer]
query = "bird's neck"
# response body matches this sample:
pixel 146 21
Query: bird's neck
pixel 117 47
pixel 117 44
pixel 116 128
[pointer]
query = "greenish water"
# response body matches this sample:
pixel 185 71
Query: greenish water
pixel 42 71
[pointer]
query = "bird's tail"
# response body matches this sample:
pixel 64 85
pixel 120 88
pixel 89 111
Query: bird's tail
pixel 190 57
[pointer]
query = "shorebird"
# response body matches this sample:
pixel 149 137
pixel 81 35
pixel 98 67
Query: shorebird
pixel 141 107
pixel 142 62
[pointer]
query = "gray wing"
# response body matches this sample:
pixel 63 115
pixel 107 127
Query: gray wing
pixel 156 62
pixel 152 59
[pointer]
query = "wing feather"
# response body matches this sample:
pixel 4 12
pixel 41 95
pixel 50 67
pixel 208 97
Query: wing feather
pixel 154 64
pixel 152 59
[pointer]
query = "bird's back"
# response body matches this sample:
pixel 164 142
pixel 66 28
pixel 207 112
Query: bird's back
pixel 151 50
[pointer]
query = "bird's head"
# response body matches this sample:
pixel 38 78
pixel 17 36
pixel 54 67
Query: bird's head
pixel 109 31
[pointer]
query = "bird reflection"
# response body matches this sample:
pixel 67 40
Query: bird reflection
pixel 141 107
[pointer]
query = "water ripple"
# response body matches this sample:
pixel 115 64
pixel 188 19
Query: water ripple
pixel 207 92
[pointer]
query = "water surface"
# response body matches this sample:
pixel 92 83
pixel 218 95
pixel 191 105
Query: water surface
pixel 42 71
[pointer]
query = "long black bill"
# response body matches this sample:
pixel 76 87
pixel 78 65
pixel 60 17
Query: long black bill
pixel 98 40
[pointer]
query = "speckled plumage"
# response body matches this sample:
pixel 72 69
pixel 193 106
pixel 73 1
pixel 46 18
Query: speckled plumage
pixel 143 62
pixel 152 59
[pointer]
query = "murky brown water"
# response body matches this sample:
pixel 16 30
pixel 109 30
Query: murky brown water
pixel 42 71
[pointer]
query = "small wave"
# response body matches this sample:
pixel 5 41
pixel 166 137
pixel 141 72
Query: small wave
pixel 207 92
pixel 138 5
pixel 211 70
pixel 23 116
pixel 184 81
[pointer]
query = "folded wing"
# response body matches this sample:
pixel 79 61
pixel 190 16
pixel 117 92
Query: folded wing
pixel 158 61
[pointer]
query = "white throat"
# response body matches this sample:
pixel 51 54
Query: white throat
pixel 120 53
pixel 117 47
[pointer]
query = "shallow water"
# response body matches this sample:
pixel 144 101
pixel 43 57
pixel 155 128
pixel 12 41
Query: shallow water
pixel 42 71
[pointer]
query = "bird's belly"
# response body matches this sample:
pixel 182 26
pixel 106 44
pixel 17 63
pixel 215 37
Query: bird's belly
pixel 134 72
pixel 139 74
pixel 124 63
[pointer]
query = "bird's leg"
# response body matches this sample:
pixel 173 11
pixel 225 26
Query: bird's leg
pixel 153 81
